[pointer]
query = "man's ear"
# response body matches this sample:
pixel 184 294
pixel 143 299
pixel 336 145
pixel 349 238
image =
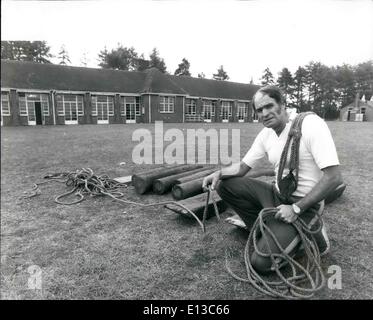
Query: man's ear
pixel 282 108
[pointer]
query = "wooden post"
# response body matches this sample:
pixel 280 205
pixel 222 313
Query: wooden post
pixel 187 189
pixel 194 176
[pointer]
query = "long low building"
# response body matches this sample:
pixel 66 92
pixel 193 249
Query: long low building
pixel 49 94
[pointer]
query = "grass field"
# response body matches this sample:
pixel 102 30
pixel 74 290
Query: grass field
pixel 100 249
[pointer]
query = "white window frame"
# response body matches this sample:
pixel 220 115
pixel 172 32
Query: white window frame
pixel 242 106
pixel 109 104
pixel 44 104
pixel 191 104
pixel 7 109
pixel 79 106
pixel 166 104
pixel 208 106
pixel 23 111
pixel 133 103
pixel 24 106
pixel 224 105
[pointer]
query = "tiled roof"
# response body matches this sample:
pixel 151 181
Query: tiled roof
pixel 158 82
pixel 29 75
pixel 199 87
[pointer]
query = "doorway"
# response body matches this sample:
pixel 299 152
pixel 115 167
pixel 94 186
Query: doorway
pixel 38 114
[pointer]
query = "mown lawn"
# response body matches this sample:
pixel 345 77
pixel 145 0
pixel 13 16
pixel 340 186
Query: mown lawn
pixel 100 249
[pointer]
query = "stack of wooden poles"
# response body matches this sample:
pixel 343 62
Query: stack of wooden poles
pixel 185 184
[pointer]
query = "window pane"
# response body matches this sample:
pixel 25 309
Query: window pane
pixel 80 109
pixel 45 108
pixel 111 109
pixel 5 108
pixel 22 106
pixel 60 109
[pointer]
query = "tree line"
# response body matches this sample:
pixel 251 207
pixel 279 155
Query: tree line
pixel 321 88
pixel 119 58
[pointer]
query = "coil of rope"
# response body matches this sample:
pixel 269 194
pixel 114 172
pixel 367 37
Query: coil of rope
pixel 305 279
pixel 84 182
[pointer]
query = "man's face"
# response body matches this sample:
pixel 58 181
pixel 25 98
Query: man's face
pixel 269 110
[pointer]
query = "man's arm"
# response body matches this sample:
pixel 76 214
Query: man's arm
pixel 234 170
pixel 331 179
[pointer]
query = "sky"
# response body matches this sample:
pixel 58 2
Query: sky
pixel 244 36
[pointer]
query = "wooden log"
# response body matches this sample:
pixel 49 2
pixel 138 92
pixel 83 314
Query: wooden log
pixel 143 182
pixel 201 174
pixel 187 189
pixel 163 185
pixel 151 171
pixel 197 205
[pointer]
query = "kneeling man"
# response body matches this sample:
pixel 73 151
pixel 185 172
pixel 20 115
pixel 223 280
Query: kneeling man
pixel 318 174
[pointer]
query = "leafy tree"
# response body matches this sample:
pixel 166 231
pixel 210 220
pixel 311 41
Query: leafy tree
pixel 183 68
pixel 299 84
pixel 267 78
pixel 221 74
pixel 8 51
pixel 121 58
pixel 141 63
pixel 313 84
pixel 201 75
pixel 364 78
pixel 102 58
pixel 321 84
pixel 329 94
pixel 285 82
pixel 156 61
pixel 345 84
pixel 63 56
pixel 36 51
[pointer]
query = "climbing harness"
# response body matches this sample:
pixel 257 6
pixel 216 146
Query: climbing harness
pixel 84 182
pixel 289 184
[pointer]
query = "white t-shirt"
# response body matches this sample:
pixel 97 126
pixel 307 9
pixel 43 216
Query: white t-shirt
pixel 316 151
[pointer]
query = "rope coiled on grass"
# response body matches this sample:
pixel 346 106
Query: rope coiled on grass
pixel 84 182
pixel 305 279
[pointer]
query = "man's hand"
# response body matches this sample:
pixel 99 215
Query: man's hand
pixel 212 180
pixel 286 213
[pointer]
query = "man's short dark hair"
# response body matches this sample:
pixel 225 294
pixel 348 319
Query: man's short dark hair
pixel 273 92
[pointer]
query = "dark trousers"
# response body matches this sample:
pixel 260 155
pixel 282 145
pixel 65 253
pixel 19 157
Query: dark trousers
pixel 248 196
